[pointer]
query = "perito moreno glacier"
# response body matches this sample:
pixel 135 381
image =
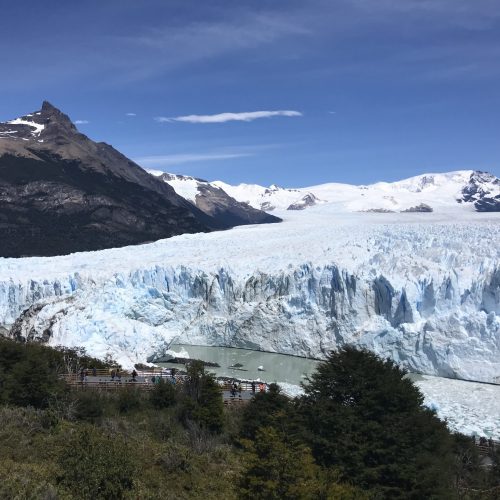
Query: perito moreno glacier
pixel 420 287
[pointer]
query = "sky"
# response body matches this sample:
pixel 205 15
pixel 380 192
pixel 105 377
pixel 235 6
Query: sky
pixel 290 92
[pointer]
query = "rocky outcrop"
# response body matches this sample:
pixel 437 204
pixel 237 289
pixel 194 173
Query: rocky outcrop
pixel 309 200
pixel 483 190
pixel 423 207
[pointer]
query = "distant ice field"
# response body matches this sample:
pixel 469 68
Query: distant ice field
pixel 321 235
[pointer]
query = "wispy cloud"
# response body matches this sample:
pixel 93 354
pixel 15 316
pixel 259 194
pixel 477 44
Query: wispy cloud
pixel 130 114
pixel 179 159
pixel 81 122
pixel 228 117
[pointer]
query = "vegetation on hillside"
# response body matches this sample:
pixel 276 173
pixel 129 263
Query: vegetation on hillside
pixel 359 431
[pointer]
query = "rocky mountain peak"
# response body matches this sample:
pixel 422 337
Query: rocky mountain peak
pixel 49 108
pixel 49 122
pixel 52 117
pixel 483 189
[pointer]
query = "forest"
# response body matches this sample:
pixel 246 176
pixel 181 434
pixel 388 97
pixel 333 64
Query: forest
pixel 359 431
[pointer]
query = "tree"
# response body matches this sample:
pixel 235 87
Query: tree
pixel 363 416
pixel 162 395
pixel 267 409
pixel 28 374
pixel 278 467
pixel 202 402
pixel 276 470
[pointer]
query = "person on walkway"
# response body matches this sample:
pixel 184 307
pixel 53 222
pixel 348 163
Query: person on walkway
pixel 233 390
pixel 94 372
pixel 153 379
pixel 240 388
pixel 253 387
pixel 262 387
pixel 134 376
pixel 82 375
pixel 113 373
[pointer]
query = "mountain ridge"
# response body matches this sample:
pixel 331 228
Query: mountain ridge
pixel 214 201
pixel 476 189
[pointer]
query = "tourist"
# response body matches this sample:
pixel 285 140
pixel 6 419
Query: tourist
pixel 94 372
pixel 262 387
pixel 134 376
pixel 240 388
pixel 253 387
pixel 153 379
pixel 112 375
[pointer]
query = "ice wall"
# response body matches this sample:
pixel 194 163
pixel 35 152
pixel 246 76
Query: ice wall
pixel 431 327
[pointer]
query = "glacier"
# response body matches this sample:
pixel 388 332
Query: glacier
pixel 420 288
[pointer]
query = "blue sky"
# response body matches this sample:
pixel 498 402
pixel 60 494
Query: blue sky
pixel 357 90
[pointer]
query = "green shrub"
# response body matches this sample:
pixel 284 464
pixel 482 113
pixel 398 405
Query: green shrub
pixel 96 466
pixel 19 481
pixel 163 394
pixel 129 399
pixel 89 405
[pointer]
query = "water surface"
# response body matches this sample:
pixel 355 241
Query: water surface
pixel 277 367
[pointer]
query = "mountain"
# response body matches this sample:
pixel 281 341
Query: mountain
pixel 421 287
pixel 478 191
pixel 214 201
pixel 60 192
pixel 483 190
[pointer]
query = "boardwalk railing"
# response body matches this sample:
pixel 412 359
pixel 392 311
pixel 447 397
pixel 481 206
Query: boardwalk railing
pixel 114 380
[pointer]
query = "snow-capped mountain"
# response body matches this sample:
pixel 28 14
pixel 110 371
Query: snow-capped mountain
pixel 477 190
pixel 420 287
pixel 61 192
pixel 214 201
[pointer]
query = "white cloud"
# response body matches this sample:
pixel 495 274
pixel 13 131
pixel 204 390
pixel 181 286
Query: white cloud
pixel 130 114
pixel 178 159
pixel 81 122
pixel 228 117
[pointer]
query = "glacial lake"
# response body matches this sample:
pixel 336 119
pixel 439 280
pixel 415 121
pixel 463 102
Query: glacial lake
pixel 277 367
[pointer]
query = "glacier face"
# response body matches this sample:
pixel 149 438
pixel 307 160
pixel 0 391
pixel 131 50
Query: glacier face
pixel 421 288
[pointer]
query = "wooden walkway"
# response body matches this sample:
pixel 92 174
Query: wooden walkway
pixel 103 380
